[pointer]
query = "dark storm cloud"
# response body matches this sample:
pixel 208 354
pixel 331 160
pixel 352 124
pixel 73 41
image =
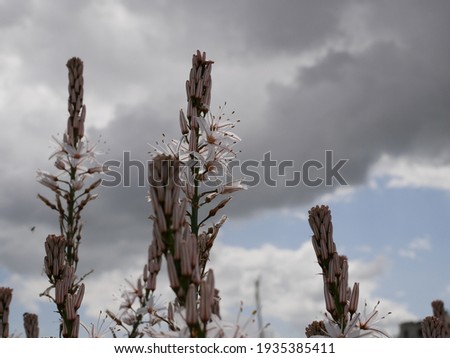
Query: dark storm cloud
pixel 253 28
pixel 391 98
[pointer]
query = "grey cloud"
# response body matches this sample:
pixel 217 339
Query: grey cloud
pixel 11 15
pixel 250 28
pixel 391 98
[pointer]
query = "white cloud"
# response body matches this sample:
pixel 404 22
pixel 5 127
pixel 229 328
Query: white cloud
pixel 26 290
pixel 415 246
pixel 405 172
pixel 296 213
pixel 365 249
pixel 291 287
pixel 342 194
pixel 447 291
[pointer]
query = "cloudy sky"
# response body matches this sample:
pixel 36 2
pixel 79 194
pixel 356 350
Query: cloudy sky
pixel 367 81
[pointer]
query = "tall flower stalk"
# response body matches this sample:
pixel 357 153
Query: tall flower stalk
pixel 341 301
pixel 436 326
pixel 73 188
pixel 31 325
pixel 184 189
pixel 5 301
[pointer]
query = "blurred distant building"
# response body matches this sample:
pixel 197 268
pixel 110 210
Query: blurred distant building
pixel 410 330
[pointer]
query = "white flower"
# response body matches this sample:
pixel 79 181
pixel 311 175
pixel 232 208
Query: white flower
pixel 74 156
pixel 216 139
pixel 369 323
pixel 152 307
pixel 360 326
pixel 219 328
pixel 176 148
pixel 100 329
pixel 216 327
pixel 47 179
pixel 334 330
pixel 211 156
pixel 231 187
pixel 77 184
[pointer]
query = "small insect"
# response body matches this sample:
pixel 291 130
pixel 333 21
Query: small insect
pixel 33 228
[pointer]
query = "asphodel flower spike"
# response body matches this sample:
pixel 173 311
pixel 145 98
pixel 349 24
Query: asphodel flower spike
pixel 76 163
pixel 341 301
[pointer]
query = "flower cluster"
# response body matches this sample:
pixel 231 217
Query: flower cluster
pixel 341 301
pixel 206 146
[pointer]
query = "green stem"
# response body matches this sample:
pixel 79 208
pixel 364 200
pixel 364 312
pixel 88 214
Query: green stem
pixel 70 234
pixel 195 206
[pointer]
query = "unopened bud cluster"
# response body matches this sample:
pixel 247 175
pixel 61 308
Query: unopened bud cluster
pixel 5 301
pixel 198 86
pixel 68 293
pixel 433 327
pixel 76 108
pixel 201 308
pixel 340 300
pixel 315 328
pixel 31 325
pixel 436 326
